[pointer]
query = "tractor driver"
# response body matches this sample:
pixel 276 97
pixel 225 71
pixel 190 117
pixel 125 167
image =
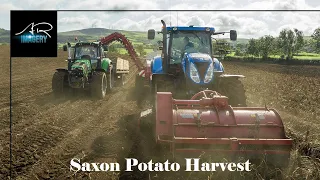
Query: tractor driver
pixel 92 53
pixel 187 43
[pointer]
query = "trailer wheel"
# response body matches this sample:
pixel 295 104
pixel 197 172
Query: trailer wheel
pixel 99 85
pixel 234 90
pixel 122 80
pixel 119 81
pixel 59 86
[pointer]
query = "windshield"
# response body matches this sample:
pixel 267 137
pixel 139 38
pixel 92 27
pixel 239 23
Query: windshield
pixel 86 50
pixel 188 42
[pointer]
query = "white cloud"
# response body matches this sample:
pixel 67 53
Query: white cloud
pixel 109 5
pixel 36 4
pixel 196 21
pixel 125 24
pixel 306 21
pixel 273 5
pixel 68 21
pixel 245 26
pixel 6 7
pixel 268 16
pixel 249 24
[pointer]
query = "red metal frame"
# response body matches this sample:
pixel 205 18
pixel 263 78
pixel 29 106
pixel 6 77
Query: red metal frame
pixel 218 124
pixel 127 44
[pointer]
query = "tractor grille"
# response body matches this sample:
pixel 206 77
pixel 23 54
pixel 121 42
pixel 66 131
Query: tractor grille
pixel 202 68
pixel 77 72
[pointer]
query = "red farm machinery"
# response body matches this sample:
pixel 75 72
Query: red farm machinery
pixel 208 124
pixel 212 116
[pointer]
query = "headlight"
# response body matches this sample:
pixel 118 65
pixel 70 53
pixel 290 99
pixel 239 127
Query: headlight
pixel 194 75
pixel 209 74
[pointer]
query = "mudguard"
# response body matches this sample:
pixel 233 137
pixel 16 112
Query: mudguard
pixel 217 65
pixel 156 65
pixel 62 70
pixel 105 63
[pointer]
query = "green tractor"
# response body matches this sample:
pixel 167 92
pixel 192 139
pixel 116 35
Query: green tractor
pixel 88 69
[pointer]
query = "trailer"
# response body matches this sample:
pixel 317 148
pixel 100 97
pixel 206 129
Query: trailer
pixel 121 70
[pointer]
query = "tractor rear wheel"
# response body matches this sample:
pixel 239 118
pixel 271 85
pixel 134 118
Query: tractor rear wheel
pixel 99 85
pixel 234 90
pixel 59 86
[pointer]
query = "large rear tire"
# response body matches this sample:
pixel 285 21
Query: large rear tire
pixel 234 90
pixel 59 86
pixel 99 85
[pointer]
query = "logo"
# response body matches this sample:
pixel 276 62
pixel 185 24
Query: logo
pixel 33 34
pixel 40 36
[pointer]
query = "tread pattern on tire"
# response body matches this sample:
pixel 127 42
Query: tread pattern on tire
pixel 58 83
pixel 96 85
pixel 234 90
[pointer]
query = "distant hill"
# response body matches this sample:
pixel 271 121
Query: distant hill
pixel 93 34
pixel 4 36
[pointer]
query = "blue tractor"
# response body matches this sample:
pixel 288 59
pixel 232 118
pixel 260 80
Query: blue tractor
pixel 187 64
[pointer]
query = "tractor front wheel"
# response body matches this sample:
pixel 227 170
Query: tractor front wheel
pixel 110 81
pixel 234 90
pixel 99 85
pixel 59 86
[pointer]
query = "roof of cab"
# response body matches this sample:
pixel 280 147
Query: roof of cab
pixel 87 44
pixel 190 28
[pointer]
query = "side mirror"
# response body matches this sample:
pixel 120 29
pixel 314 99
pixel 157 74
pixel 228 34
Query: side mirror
pixel 151 34
pixel 105 47
pixel 233 35
pixel 65 48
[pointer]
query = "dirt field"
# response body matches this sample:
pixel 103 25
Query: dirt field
pixel 4 105
pixel 48 133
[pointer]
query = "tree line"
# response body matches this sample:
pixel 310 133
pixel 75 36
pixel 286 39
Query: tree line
pixel 286 45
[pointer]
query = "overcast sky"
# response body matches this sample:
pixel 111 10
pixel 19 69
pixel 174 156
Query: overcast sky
pixel 248 24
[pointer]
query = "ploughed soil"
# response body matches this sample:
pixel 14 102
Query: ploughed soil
pixel 48 132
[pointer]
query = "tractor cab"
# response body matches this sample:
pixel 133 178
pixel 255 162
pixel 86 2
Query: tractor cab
pixel 86 52
pixel 185 41
pixel 188 56
pixel 91 51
